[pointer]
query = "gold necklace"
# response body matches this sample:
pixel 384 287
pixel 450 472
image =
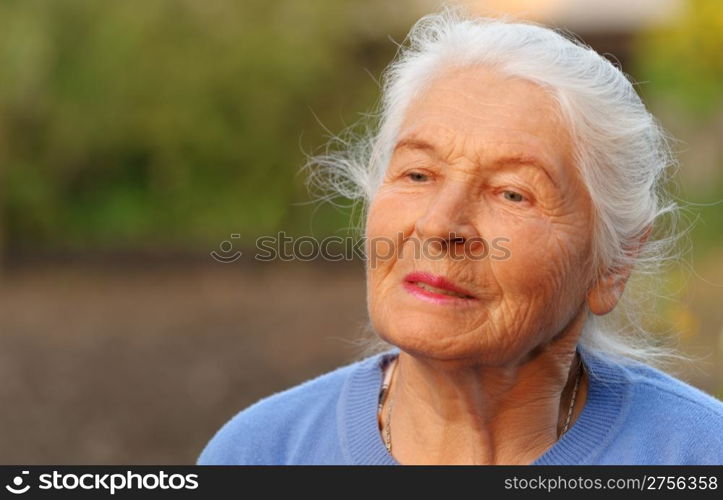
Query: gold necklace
pixel 387 433
pixel 580 370
pixel 387 429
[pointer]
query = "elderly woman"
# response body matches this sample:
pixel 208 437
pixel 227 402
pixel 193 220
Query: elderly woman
pixel 511 189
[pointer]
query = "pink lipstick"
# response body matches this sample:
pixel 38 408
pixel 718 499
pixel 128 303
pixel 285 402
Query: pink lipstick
pixel 436 289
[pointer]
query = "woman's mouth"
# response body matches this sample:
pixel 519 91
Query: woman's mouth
pixel 435 289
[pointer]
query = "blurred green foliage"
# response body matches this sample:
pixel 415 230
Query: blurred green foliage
pixel 680 65
pixel 170 122
pixel 680 68
pixel 684 59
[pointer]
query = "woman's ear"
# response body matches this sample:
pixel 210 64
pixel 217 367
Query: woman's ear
pixel 604 295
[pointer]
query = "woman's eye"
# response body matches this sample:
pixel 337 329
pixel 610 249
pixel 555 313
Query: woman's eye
pixel 417 176
pixel 513 196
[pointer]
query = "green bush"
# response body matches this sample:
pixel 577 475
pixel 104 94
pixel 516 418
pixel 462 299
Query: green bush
pixel 167 122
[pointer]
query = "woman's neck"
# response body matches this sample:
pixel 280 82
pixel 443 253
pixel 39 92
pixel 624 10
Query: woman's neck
pixel 447 413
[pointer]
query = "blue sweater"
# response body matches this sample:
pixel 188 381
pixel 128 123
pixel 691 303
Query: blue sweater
pixel 634 414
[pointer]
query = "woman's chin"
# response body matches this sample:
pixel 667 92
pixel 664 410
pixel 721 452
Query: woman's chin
pixel 434 331
pixel 426 341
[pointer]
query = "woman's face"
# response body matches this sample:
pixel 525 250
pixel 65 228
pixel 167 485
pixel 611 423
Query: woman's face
pixel 480 191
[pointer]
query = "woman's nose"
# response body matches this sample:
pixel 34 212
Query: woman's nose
pixel 449 217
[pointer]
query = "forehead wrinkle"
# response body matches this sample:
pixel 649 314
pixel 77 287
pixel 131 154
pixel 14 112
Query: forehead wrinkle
pixel 471 97
pixel 475 98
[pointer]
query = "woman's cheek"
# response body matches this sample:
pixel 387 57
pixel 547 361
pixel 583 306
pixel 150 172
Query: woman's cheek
pixel 393 215
pixel 387 225
pixel 530 264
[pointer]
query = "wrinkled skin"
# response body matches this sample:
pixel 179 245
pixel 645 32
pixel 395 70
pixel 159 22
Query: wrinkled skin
pixel 487 380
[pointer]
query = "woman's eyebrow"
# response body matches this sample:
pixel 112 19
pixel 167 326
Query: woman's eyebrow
pixel 520 159
pixel 525 160
pixel 414 143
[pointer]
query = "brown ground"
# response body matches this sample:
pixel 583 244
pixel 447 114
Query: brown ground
pixel 129 364
pixel 142 366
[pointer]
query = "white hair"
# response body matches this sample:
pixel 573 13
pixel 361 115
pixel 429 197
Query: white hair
pixel 619 148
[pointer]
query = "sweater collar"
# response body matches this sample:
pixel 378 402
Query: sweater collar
pixel 362 443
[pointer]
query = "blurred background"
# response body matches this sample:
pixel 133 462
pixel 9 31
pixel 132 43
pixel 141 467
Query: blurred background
pixel 136 137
